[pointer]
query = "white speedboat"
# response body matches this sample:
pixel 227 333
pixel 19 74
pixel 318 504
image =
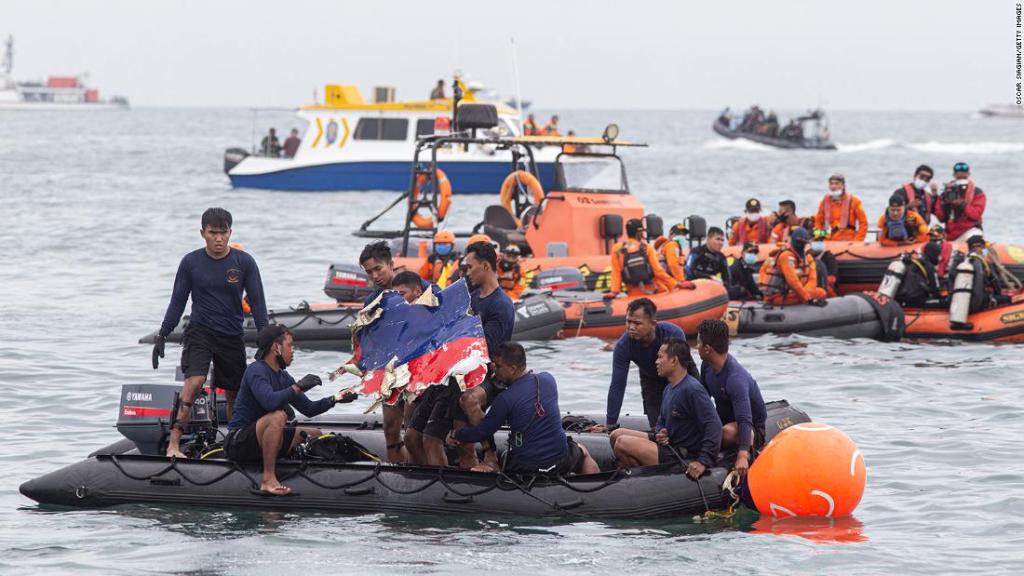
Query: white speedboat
pixel 351 144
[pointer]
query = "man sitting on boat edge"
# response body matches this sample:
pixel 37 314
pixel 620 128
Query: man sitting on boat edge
pixel 688 430
pixel 259 429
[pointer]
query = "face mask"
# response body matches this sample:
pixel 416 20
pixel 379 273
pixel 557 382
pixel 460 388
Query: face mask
pixel 836 194
pixel 506 266
pixel 749 258
pixel 818 246
pixel 962 182
pixel 984 252
pixel 679 239
pixel 753 217
pixel 443 249
pixel 920 184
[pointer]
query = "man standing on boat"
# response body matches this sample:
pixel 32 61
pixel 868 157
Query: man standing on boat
pixel 961 206
pixel 291 144
pixel 215 277
pixel 639 345
pixel 438 92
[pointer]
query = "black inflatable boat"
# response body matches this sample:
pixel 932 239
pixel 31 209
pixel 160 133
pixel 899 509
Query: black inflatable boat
pixel 722 129
pixel 128 472
pixel 327 326
pixel 860 315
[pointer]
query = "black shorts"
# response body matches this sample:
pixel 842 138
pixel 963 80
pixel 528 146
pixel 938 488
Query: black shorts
pixel 241 444
pixel 201 346
pixel 571 463
pixel 431 416
pixel 651 392
pixel 667 456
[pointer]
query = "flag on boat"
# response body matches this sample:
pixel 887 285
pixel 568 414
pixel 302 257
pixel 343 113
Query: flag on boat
pixel 401 349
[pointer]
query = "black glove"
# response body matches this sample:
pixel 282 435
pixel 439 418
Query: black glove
pixel 345 398
pixel 308 382
pixel 158 350
pixel 819 302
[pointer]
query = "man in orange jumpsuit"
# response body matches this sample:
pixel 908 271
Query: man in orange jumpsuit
pixel 789 276
pixel 635 267
pixel 752 227
pixel 672 252
pixel 841 214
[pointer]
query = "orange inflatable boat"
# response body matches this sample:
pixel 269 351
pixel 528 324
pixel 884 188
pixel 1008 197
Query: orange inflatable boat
pixel 862 265
pixel 1001 324
pixel 588 314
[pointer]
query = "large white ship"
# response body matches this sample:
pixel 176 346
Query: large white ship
pixel 56 93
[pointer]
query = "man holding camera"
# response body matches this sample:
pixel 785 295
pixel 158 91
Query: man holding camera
pixel 259 429
pixel 961 206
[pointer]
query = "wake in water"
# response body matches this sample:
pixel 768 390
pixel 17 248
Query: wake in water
pixel 952 148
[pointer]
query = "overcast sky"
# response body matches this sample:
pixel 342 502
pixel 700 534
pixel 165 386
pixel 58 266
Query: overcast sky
pixel 888 54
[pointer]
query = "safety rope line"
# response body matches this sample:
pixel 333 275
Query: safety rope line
pixel 174 466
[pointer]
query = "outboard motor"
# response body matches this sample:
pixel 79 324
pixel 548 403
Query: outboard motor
pixel 564 278
pixel 347 283
pixel 893 278
pixel 232 156
pixel 148 411
pixel 960 301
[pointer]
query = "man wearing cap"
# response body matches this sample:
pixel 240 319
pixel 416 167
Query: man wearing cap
pixel 743 274
pixel 789 276
pixel 635 267
pixel 826 265
pixel 752 227
pixel 510 272
pixel 899 226
pixel 259 429
pixel 841 214
pixel 961 206
pixel 672 252
pixel 920 193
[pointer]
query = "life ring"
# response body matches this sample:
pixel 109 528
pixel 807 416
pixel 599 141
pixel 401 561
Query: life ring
pixel 426 220
pixel 508 187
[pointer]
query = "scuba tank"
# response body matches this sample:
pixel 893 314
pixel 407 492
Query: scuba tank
pixel 960 300
pixel 893 278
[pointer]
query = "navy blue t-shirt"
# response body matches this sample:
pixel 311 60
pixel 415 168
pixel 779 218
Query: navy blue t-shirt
pixel 216 287
pixel 689 415
pixel 737 397
pixel 543 440
pixel 628 350
pixel 497 314
pixel 264 391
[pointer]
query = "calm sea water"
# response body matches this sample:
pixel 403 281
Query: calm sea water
pixel 96 210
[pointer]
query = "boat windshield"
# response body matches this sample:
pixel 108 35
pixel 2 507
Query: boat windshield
pixel 591 174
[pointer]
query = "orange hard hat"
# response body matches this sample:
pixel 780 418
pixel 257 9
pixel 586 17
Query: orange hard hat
pixel 479 238
pixel 444 237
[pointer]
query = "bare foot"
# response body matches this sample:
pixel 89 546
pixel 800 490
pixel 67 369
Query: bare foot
pixel 485 467
pixel 176 454
pixel 275 490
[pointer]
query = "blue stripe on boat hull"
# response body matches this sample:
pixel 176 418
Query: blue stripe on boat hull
pixel 466 177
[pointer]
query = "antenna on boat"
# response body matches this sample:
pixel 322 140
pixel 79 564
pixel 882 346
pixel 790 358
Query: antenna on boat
pixel 515 80
pixel 9 55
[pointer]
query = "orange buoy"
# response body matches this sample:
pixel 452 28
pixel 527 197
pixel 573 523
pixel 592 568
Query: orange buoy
pixel 810 469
